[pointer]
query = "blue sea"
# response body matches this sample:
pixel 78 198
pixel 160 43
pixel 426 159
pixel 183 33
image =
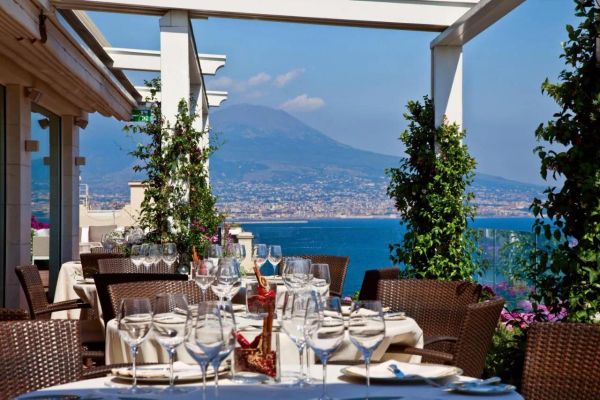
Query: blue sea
pixel 365 241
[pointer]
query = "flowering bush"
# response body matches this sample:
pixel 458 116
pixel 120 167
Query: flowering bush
pixel 37 225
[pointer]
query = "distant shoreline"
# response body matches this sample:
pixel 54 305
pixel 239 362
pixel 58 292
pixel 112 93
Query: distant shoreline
pixel 358 217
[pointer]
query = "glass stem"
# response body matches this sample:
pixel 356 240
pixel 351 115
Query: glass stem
pixel 367 367
pixel 301 371
pixel 216 371
pixel 134 350
pixel 171 374
pixel 324 395
pixel 204 366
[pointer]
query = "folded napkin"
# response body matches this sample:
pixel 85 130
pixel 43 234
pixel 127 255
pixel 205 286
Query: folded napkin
pixel 158 371
pixel 396 316
pixel 411 371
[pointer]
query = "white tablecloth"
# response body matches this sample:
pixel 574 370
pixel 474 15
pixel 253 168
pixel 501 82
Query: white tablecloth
pixel 68 275
pixel 338 387
pixel 404 331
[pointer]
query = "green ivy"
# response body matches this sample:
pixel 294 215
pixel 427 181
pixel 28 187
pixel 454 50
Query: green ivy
pixel 429 190
pixel 568 274
pixel 178 204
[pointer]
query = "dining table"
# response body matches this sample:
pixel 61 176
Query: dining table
pixel 339 385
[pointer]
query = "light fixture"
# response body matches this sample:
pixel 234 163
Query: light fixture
pixel 33 94
pixel 81 122
pixel 44 123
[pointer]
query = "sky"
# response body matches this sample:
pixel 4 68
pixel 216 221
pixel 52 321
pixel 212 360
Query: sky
pixel 353 83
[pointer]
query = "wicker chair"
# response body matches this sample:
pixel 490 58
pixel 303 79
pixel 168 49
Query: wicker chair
pixel 89 262
pixel 39 307
pixel 458 329
pixel 562 361
pixel 29 363
pixel 338 265
pixel 368 289
pixel 123 265
pixel 102 250
pixel 13 314
pixel 150 289
pixel 103 281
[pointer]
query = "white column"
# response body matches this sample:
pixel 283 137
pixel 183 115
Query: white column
pixel 174 65
pixel 70 190
pixel 447 83
pixel 18 191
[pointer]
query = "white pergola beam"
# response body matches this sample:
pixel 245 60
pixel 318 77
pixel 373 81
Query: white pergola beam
pixel 424 15
pixel 215 98
pixel 447 84
pixel 149 60
pixel 475 21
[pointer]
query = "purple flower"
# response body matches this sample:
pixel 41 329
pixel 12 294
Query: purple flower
pixel 37 225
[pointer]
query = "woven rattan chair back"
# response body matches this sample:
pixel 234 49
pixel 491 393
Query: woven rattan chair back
pixel 150 289
pixel 368 289
pixel 475 337
pixel 123 265
pixel 439 307
pixel 338 265
pixel 32 285
pixel 102 250
pixel 89 262
pixel 103 281
pixel 13 314
pixel 38 354
pixel 562 361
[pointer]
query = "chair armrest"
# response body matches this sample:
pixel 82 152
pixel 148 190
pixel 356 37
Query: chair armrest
pixel 439 339
pixel 439 355
pixel 64 306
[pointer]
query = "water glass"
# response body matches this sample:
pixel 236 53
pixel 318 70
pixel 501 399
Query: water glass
pixel 137 256
pixel 275 255
pixel 134 324
pixel 169 254
pixel 259 300
pixel 204 336
pixel 168 324
pixel 154 254
pixel 228 279
pixel 260 253
pixel 366 329
pixel 296 273
pixel 229 338
pixel 205 273
pixel 237 251
pixel 320 278
pixel 292 322
pixel 324 330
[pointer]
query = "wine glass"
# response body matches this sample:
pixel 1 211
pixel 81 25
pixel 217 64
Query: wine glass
pixel 204 336
pixel 324 330
pixel 214 253
pixel 169 254
pixel 137 256
pixel 296 273
pixel 366 329
pixel 146 256
pixel 229 329
pixel 228 280
pixel 260 253
pixel 292 322
pixel 320 278
pixel 168 323
pixel 275 255
pixel 155 254
pixel 238 251
pixel 205 275
pixel 134 324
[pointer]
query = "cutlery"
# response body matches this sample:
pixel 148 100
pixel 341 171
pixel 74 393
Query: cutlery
pixel 401 375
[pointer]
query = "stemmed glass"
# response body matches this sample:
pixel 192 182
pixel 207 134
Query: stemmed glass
pixel 228 280
pixel 296 273
pixel 204 336
pixel 137 256
pixel 205 275
pixel 214 253
pixel 228 327
pixel 169 254
pixel 292 322
pixel 366 329
pixel 238 251
pixel 260 253
pixel 324 330
pixel 134 324
pixel 275 255
pixel 146 256
pixel 320 278
pixel 168 323
pixel 154 254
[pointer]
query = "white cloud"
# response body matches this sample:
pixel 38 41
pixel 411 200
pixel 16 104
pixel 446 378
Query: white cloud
pixel 303 103
pixel 284 79
pixel 222 82
pixel 259 79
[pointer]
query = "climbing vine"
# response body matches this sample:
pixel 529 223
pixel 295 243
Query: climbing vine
pixel 430 192
pixel 568 274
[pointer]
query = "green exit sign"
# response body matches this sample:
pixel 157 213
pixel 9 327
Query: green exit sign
pixel 141 115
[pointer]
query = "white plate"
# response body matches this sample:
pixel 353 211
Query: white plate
pixel 182 374
pixel 471 388
pixel 414 372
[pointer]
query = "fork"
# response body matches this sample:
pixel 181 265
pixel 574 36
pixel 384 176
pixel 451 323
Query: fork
pixel 401 375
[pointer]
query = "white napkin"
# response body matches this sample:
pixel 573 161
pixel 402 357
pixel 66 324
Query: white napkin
pixel 430 371
pixel 158 371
